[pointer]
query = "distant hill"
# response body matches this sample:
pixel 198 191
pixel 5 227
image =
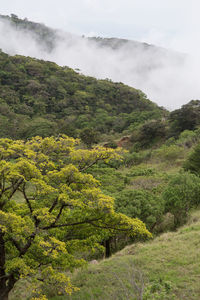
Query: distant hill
pixel 45 36
pixel 41 98
pixel 49 37
pixel 152 69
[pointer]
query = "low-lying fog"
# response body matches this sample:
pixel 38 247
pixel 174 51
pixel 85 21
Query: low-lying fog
pixel 168 78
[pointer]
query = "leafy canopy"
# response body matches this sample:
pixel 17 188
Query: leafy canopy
pixel 50 208
pixel 40 98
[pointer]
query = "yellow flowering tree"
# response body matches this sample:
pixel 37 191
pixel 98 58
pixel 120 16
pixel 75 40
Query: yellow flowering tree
pixel 50 208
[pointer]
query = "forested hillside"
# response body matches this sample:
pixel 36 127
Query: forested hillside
pixel 41 98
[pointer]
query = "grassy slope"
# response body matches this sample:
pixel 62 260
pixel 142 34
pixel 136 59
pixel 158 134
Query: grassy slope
pixel 173 257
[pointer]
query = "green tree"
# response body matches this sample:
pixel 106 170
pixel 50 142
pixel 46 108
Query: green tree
pixel 89 136
pixel 181 194
pixel 140 204
pixel 50 209
pixel 185 118
pixel 192 163
pixel 150 132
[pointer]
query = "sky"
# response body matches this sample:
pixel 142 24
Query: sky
pixel 168 23
pixel 171 24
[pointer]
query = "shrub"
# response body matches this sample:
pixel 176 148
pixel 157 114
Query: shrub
pixel 193 162
pixel 168 153
pixel 181 194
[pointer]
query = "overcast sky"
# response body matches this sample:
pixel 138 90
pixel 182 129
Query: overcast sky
pixel 171 23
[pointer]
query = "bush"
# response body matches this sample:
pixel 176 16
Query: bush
pixel 141 172
pixel 151 132
pixel 168 153
pixel 192 164
pixel 135 158
pixel 185 118
pixel 181 194
pixel 158 290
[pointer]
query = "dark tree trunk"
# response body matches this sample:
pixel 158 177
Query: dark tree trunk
pixel 6 287
pixel 108 250
pixel 6 282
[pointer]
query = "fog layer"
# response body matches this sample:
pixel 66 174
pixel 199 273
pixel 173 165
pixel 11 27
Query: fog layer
pixel 168 78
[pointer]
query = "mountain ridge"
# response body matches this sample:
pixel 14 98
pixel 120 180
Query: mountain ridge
pixel 146 67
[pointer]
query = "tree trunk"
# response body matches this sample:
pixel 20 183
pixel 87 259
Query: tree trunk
pixel 107 245
pixel 6 285
pixel 6 282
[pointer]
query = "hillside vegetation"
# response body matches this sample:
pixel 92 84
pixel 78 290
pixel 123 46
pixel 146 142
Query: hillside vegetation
pixel 48 38
pixel 41 98
pixel 165 268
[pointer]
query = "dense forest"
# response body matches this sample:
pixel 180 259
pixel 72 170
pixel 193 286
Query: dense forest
pixel 41 98
pixel 88 167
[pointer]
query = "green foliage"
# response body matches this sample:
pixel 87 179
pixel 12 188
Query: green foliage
pixel 181 194
pixel 111 144
pixel 158 291
pixel 89 136
pixel 185 118
pixel 150 132
pixel 188 137
pixel 34 91
pixel 112 180
pixel 135 158
pixel 61 211
pixel 168 154
pixel 192 163
pixel 140 204
pixel 141 172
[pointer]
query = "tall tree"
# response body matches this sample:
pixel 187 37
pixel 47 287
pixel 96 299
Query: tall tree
pixel 185 118
pixel 50 208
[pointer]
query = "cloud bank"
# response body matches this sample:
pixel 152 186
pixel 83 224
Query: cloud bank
pixel 169 79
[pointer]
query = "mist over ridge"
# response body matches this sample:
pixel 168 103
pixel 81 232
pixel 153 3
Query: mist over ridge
pixel 168 78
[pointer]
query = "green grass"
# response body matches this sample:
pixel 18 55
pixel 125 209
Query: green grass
pixel 172 257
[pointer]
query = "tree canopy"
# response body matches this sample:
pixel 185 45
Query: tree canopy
pixel 50 208
pixel 40 98
pixel 181 194
pixel 185 118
